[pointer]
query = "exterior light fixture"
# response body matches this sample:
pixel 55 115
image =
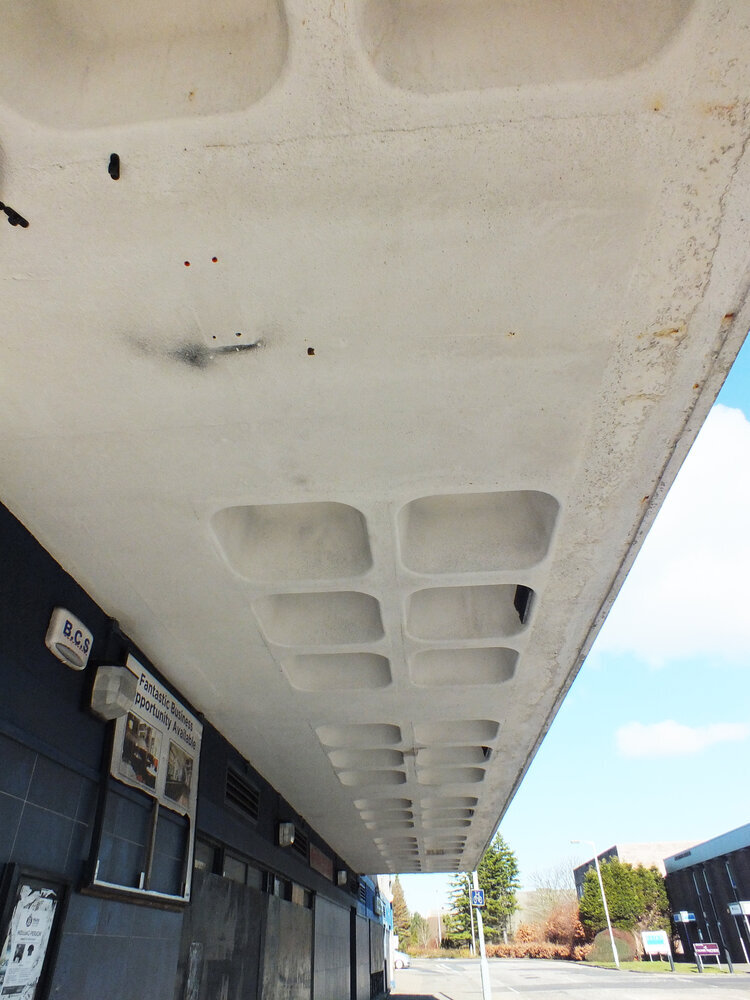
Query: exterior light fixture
pixel 113 692
pixel 342 877
pixel 286 834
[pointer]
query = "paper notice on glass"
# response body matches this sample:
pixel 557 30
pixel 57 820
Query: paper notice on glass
pixel 26 942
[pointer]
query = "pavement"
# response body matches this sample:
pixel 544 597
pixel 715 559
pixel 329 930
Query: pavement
pixel 534 979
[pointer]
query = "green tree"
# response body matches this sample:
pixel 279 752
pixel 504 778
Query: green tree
pixel 420 931
pixel 457 926
pixel 636 898
pixel 498 876
pixel 401 915
pixel 624 897
pixel 656 913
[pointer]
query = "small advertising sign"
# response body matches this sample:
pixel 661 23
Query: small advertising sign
pixel 655 942
pixel 157 745
pixel 706 948
pixel 27 939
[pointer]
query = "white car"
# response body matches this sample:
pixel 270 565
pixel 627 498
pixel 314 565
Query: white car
pixel 401 960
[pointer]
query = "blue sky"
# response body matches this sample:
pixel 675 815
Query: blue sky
pixel 653 741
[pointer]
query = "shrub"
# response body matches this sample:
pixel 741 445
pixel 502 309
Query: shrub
pixel 527 932
pixel 563 926
pixel 528 949
pixel 601 948
pixel 442 952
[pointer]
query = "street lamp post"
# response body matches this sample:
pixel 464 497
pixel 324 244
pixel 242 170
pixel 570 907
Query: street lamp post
pixel 604 898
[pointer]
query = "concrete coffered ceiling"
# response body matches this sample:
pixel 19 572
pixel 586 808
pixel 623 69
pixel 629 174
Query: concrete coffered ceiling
pixel 353 396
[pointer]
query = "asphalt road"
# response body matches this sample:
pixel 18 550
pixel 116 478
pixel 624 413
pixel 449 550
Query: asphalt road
pixel 527 979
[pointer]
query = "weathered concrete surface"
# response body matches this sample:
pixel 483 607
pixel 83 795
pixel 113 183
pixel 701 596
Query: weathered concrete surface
pixel 394 308
pixel 432 979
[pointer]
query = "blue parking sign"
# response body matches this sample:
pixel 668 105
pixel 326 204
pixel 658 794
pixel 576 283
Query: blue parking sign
pixel 477 897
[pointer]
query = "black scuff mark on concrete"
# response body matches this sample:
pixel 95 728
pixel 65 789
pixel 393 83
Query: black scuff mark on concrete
pixel 14 217
pixel 199 356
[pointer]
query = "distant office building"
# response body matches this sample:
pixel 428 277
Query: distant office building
pixel 709 891
pixel 649 855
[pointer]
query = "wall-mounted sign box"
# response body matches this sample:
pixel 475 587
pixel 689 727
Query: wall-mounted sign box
pixel 68 639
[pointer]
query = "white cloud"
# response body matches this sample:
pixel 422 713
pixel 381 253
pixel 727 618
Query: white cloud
pixel 671 739
pixel 687 594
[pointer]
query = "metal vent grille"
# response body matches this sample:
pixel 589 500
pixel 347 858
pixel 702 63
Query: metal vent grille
pixel 301 844
pixel 362 893
pixel 241 794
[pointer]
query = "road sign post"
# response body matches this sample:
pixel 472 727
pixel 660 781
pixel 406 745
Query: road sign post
pixel 657 943
pixel 741 909
pixel 705 949
pixel 484 969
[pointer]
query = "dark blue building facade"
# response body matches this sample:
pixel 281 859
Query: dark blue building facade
pixel 153 902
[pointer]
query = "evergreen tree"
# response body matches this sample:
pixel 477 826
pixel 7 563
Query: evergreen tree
pixel 636 897
pixel 457 926
pixel 624 898
pixel 656 914
pixel 420 931
pixel 401 915
pixel 498 876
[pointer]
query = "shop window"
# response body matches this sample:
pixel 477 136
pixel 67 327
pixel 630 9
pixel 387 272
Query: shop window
pixel 204 857
pixel 234 869
pixel 254 878
pixel 301 896
pixel 238 870
pixel 140 847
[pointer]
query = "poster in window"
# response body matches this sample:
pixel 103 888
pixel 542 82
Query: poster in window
pixel 140 752
pixel 179 775
pixel 27 938
pixel 157 745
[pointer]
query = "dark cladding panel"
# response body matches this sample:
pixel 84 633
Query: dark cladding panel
pixel 362 949
pixel 220 949
pixel 287 954
pixel 117 950
pixel 332 971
